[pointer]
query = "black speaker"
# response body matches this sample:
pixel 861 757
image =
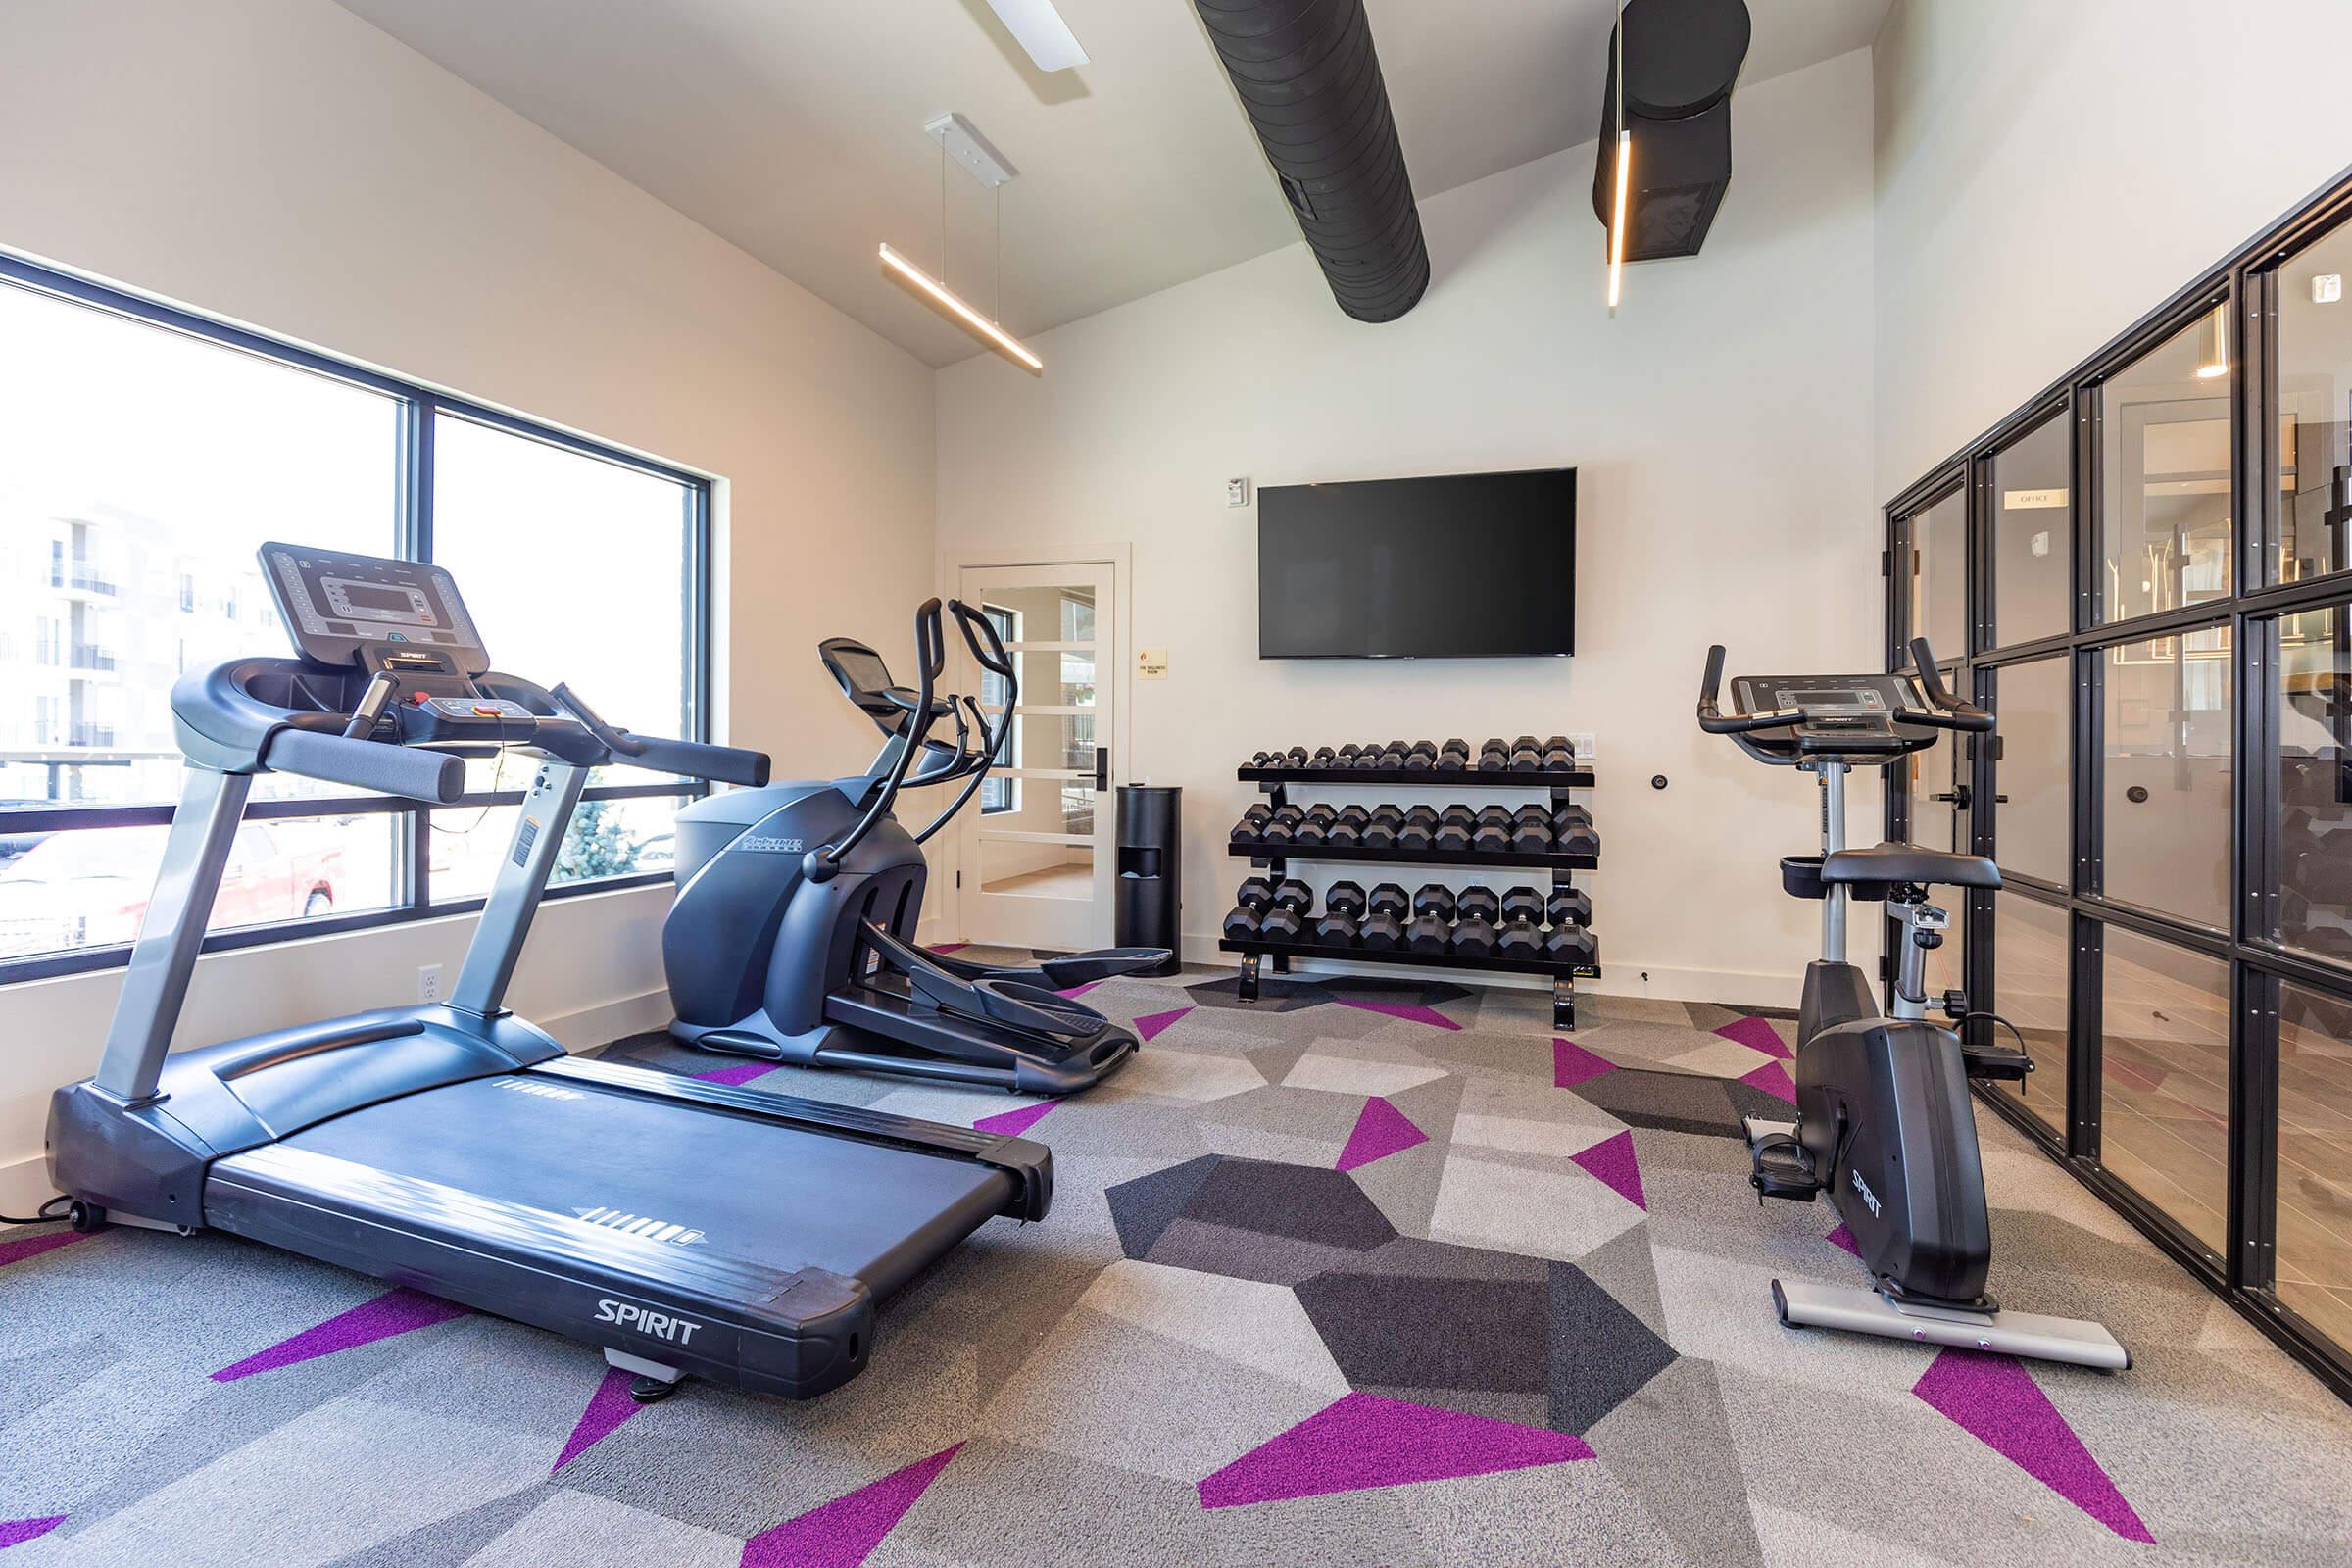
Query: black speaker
pixel 1680 60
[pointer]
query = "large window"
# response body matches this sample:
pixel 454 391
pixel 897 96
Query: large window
pixel 149 454
pixel 2155 552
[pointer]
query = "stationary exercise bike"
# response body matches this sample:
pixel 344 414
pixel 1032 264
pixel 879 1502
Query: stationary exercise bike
pixel 1884 1120
pixel 793 934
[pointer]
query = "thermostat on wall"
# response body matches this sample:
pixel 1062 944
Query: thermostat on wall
pixel 1237 492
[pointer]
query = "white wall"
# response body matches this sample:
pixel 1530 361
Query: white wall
pixel 2049 172
pixel 284 164
pixel 1721 427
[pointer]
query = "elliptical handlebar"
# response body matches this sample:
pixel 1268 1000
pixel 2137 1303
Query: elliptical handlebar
pixel 996 662
pixel 824 863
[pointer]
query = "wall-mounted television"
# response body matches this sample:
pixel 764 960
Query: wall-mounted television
pixel 1463 565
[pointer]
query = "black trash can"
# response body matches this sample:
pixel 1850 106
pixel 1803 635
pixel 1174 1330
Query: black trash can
pixel 1151 901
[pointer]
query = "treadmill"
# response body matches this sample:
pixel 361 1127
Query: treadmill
pixel 686 1228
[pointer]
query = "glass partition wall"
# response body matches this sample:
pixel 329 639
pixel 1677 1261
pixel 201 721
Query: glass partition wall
pixel 2147 574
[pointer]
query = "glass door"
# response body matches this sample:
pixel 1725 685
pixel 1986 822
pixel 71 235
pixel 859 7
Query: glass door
pixel 1038 860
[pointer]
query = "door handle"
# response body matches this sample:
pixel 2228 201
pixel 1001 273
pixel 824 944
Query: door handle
pixel 1101 767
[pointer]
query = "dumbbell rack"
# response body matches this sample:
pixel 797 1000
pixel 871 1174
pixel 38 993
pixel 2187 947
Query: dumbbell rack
pixel 1559 783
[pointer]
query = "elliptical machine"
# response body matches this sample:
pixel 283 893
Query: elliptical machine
pixel 1884 1120
pixel 793 935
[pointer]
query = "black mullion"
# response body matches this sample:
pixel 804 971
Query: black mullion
pixel 2253 405
pixel 1983 634
pixel 2086 776
pixel 2253 1206
pixel 2088 502
pixel 2087 1037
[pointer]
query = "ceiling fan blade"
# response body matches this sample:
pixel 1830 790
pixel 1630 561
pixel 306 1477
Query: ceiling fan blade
pixel 1039 28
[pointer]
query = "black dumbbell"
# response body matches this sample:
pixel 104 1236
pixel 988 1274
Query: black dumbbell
pixel 1573 832
pixel 1324 757
pixel 1415 832
pixel 1492 834
pixel 1346 830
pixel 1429 932
pixel 1296 756
pixel 1383 926
pixel 1520 940
pixel 1283 922
pixel 1473 937
pixel 1368 754
pixel 1282 826
pixel 1393 759
pixel 1568 907
pixel 1315 826
pixel 1558 756
pixel 1265 758
pixel 1242 923
pixel 1252 899
pixel 1292 894
pixel 1343 911
pixel 1453 829
pixel 1454 756
pixel 1531 831
pixel 1494 756
pixel 1480 900
pixel 1345 756
pixel 1254 818
pixel 1523 902
pixel 1571 944
pixel 1434 898
pixel 1380 831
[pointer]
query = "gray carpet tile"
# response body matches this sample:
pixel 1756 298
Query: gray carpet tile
pixel 1342 1277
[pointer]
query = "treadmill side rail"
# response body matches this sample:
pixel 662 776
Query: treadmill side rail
pixel 795 1333
pixel 1029 1164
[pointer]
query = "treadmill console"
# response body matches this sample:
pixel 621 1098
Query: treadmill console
pixel 401 620
pixel 343 609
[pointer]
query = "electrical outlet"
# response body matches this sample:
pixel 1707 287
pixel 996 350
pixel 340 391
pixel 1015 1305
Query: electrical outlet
pixel 428 982
pixel 1584 745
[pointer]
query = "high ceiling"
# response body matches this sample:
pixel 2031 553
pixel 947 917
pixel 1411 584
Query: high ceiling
pixel 794 127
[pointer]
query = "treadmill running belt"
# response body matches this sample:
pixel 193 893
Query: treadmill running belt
pixel 789 1198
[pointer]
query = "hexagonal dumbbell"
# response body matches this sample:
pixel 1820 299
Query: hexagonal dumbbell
pixel 1342 914
pixel 1573 832
pixel 1481 902
pixel 1245 831
pixel 1415 832
pixel 1453 829
pixel 1383 926
pixel 1455 755
pixel 1568 907
pixel 1313 826
pixel 1346 830
pixel 1492 834
pixel 1531 831
pixel 1571 944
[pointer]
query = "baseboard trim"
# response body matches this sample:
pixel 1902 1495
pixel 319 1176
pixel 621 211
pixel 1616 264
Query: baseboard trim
pixel 586 1028
pixel 25 1186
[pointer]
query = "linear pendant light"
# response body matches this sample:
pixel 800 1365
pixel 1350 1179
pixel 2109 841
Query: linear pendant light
pixel 946 302
pixel 1625 172
pixel 960 140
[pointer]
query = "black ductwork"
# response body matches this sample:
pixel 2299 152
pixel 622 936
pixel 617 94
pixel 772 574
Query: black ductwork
pixel 1681 59
pixel 1310 79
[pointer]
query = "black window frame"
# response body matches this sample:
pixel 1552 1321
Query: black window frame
pixel 2245 282
pixel 412 525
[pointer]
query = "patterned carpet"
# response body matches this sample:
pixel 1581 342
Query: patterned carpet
pixel 1369 1272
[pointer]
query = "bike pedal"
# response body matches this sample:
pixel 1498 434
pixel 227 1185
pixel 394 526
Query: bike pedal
pixel 1783 1169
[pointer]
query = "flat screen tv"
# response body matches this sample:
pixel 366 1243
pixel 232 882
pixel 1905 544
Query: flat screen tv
pixel 1464 566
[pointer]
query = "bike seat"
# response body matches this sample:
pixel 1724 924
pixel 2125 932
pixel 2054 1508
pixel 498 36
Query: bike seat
pixel 1908 862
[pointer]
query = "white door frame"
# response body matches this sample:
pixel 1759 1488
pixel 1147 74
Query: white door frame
pixel 942 912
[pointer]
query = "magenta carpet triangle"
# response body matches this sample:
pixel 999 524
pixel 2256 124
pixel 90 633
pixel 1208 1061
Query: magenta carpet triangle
pixel 741 1073
pixel 1364 1441
pixel 1612 1160
pixel 1014 1123
pixel 843 1533
pixel 1149 1026
pixel 950 947
pixel 1841 1237
pixel 1772 1079
pixel 608 1407
pixel 1996 1400
pixel 396 1312
pixel 1079 989
pixel 1757 1034
pixel 1381 1130
pixel 24 1247
pixel 16 1532
pixel 1573 1065
pixel 1404 1009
